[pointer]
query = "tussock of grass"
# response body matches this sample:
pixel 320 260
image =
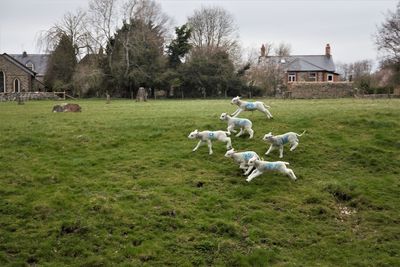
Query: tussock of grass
pixel 117 184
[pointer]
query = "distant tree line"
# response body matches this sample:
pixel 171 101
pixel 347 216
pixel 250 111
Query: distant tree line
pixel 118 57
pixel 114 48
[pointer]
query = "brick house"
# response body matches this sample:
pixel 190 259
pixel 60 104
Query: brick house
pixel 22 72
pixel 305 68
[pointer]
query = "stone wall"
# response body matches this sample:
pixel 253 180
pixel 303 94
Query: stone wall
pixel 320 90
pixel 28 96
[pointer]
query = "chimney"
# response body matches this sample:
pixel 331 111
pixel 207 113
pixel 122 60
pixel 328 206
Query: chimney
pixel 327 50
pixel 263 50
pixel 24 54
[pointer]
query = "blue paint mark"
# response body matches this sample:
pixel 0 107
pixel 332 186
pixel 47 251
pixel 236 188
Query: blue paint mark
pixel 248 155
pixel 285 139
pixel 250 106
pixel 241 122
pixel 211 135
pixel 271 166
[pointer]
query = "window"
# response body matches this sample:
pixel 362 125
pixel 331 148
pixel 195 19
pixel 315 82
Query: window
pixel 30 66
pixel 312 76
pixel 2 82
pixel 291 77
pixel 330 77
pixel 17 86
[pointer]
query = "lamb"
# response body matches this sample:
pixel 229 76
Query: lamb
pixel 281 140
pixel 263 166
pixel 244 124
pixel 242 158
pixel 250 106
pixel 207 136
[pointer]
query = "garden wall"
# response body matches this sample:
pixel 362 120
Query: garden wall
pixel 28 96
pixel 320 90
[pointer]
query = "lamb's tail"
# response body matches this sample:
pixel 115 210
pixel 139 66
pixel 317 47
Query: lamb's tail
pixel 266 105
pixel 284 162
pixel 302 133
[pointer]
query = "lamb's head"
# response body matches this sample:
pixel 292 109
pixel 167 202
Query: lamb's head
pixel 193 135
pixel 252 161
pixel 235 100
pixel 223 117
pixel 230 153
pixel 268 137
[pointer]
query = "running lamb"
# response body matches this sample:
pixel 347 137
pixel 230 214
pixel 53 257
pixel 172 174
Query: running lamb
pixel 263 166
pixel 250 106
pixel 207 136
pixel 278 141
pixel 242 158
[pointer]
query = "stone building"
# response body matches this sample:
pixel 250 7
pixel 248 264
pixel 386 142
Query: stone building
pixel 305 68
pixel 22 73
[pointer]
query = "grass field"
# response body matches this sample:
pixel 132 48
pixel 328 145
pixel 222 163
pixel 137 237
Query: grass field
pixel 118 184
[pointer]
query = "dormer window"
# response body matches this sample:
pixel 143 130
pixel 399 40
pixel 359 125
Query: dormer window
pixel 30 66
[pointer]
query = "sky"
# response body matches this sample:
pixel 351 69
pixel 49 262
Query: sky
pixel 347 25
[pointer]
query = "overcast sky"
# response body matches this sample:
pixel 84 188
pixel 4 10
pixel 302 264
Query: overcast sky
pixel 348 25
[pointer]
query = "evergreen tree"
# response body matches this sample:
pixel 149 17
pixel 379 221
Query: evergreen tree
pixel 180 46
pixel 137 58
pixel 61 65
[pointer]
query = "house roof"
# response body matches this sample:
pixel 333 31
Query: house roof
pixel 39 61
pixel 305 62
pixel 18 64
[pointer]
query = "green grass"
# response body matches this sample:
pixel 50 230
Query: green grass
pixel 118 185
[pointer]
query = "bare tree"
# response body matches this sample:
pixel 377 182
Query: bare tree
pixel 387 37
pixel 103 23
pixel 267 74
pixel 213 28
pixel 72 25
pixel 283 50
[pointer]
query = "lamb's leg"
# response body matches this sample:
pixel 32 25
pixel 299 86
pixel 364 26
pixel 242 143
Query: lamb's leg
pixel 266 112
pixel 198 144
pixel 240 133
pixel 228 143
pixel 209 147
pixel 238 111
pixel 281 151
pixel 249 170
pixel 231 128
pixel 235 113
pixel 243 166
pixel 253 175
pixel 250 131
pixel 290 173
pixel 294 145
pixel 272 147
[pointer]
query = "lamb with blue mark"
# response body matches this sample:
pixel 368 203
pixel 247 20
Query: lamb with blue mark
pixel 278 141
pixel 207 136
pixel 265 166
pixel 244 124
pixel 242 158
pixel 250 106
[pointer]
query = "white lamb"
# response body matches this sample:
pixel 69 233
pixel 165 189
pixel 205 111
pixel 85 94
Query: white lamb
pixel 278 141
pixel 207 136
pixel 244 124
pixel 250 106
pixel 264 166
pixel 242 158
